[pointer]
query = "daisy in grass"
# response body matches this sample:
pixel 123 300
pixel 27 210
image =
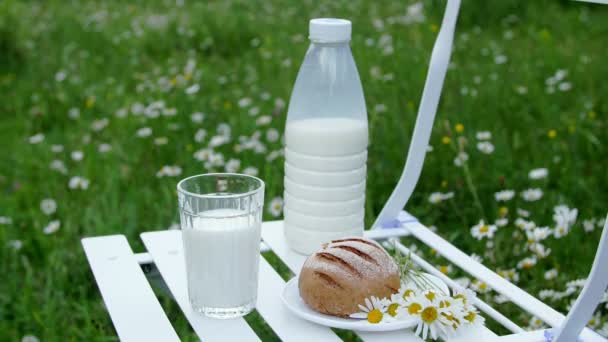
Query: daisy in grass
pixel 504 195
pixel 483 230
pixel 373 310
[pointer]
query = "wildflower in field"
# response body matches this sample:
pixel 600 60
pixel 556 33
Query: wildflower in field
pixel 144 132
pixel 503 211
pixel 521 90
pixel 104 148
pixel 523 213
pixel 15 244
pixel 137 108
pixel 564 218
pixel 535 234
pixel 446 140
pixel 203 154
pixel 480 286
pixel 483 230
pixel 169 111
pixel 263 120
pixel 218 140
pixel 78 182
pixel 48 206
pixel 159 141
pixel 36 138
pixel 244 102
pixel 500 299
pixel 254 111
pixel 99 125
pixel 197 117
pixel 169 171
pixel 121 113
pixel 459 128
pixel 200 135
pixel 552 134
pixel 232 165
pixel 52 227
pixel 510 275
pixel 5 220
pixel 59 166
pixel 276 207
pixel 193 89
pixel 564 86
pixel 485 147
pixel 550 274
pixel 535 323
pixel 437 197
pixel 538 173
pixel 483 135
pixel 77 155
pixel 527 263
pixel 29 338
pixel 60 75
pixel 56 148
pixel 531 195
pixel 272 135
pixel 461 158
pixel 501 222
pixel 500 59
pixel 250 170
pixel 589 225
pixel 74 113
pixel 539 249
pixel 595 321
pixel 504 195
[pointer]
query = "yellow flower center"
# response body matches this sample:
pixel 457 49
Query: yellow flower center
pixel 503 211
pixel 444 269
pixel 461 297
pixel 552 134
pixel 483 286
pixel 374 316
pixel 459 128
pixel 444 304
pixel 446 140
pixel 484 229
pixel 429 314
pixel 451 318
pixel 470 316
pixel 430 295
pixel 407 293
pixel 414 308
pixel 392 309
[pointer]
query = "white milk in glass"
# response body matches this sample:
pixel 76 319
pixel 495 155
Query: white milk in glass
pixel 326 142
pixel 220 238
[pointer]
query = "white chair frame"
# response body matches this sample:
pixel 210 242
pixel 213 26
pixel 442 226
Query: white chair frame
pixel 138 316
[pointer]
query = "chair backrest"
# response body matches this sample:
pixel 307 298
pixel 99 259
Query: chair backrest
pixel 590 296
pixel 438 66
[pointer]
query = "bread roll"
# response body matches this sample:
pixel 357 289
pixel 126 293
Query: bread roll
pixel 337 278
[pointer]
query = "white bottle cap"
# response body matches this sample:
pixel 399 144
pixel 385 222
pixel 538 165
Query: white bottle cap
pixel 328 30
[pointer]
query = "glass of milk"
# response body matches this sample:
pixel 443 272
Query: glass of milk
pixel 220 216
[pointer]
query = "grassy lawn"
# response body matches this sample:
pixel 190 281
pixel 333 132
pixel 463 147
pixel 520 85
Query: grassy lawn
pixel 104 106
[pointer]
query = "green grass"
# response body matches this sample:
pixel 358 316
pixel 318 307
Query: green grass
pixel 114 55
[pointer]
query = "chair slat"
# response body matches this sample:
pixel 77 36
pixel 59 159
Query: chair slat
pixel 166 250
pixel 131 303
pixel 283 323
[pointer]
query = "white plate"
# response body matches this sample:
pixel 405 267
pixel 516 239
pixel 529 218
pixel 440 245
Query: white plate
pixel 295 304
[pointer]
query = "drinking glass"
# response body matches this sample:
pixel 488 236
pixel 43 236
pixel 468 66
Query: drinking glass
pixel 221 215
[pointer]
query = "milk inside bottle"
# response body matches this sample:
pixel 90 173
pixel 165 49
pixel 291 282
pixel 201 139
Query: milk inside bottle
pixel 326 142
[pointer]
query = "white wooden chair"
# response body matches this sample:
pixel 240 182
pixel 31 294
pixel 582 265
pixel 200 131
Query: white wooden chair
pixel 138 316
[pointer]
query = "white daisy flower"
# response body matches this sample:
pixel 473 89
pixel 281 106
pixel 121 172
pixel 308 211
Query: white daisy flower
pixel 251 170
pixel 437 197
pixel 78 182
pixel 5 220
pixel 461 158
pixel 589 225
pixel 99 125
pixel 485 147
pixel 480 286
pixel 501 222
pixel 144 132
pixel 58 166
pixel 29 338
pixel 48 206
pixel 504 195
pixel 52 227
pixel 523 213
pixel 203 154
pixel 56 148
pixel 232 165
pixel 550 274
pixel 36 138
pixel 483 135
pixel 538 173
pixel 272 135
pixel 244 102
pixel 373 310
pixel 77 155
pixel 200 135
pixel 482 230
pixel 472 317
pixel 15 244
pixel 276 207
pixel 169 171
pixel 527 263
pixel 531 195
pixel 432 323
pixel 193 89
pixel 104 148
pixel 536 323
pixel 197 117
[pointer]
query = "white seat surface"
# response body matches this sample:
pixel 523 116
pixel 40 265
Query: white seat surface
pixel 133 307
